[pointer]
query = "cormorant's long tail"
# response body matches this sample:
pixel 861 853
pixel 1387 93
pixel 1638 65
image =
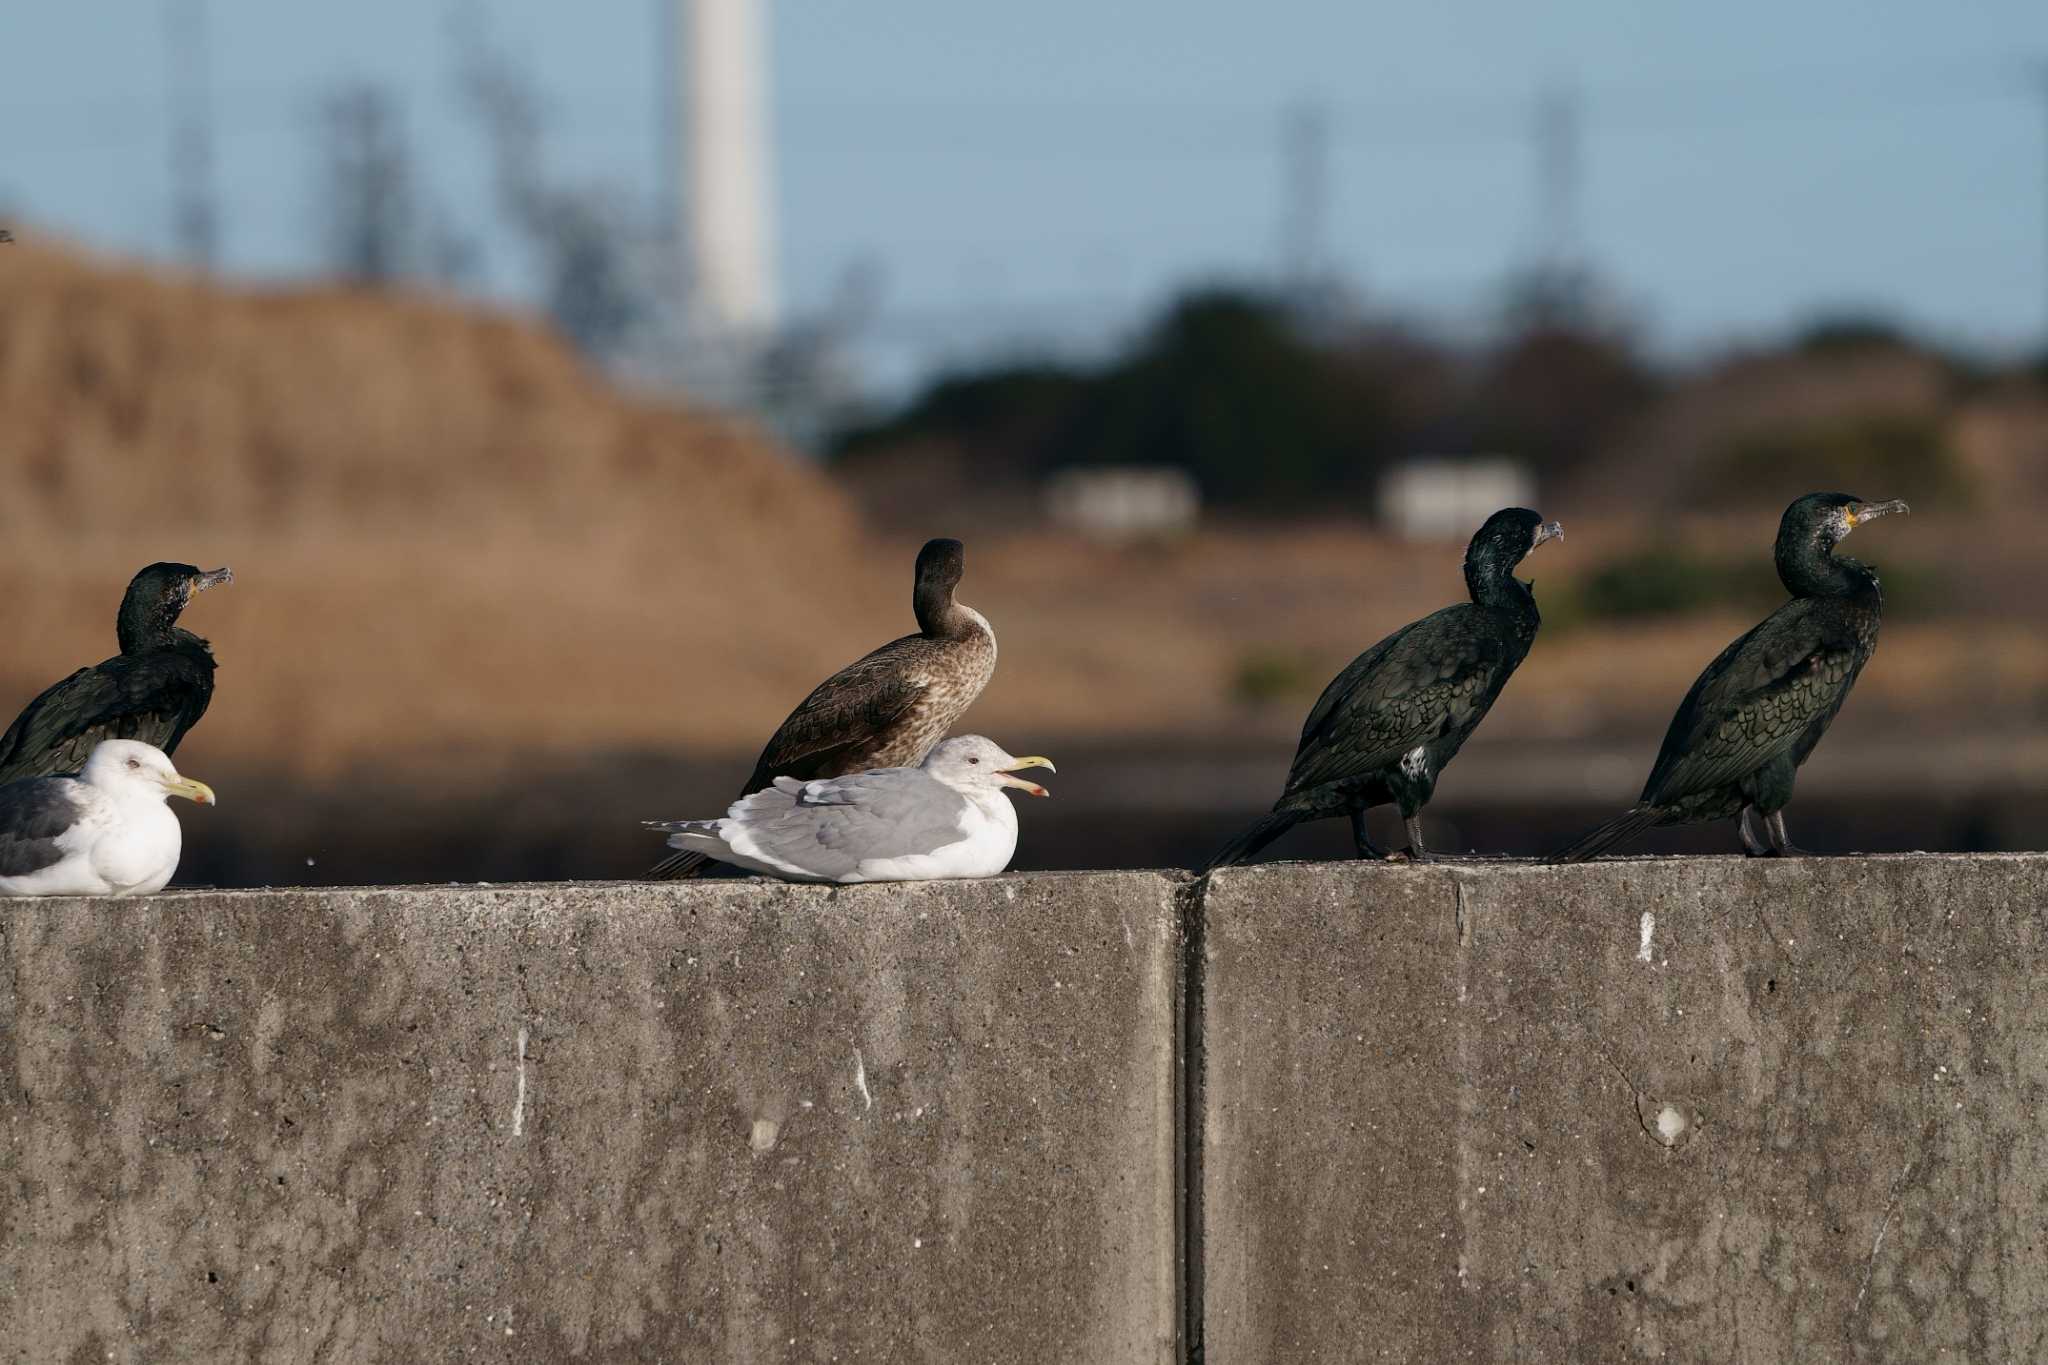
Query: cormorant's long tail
pixel 1626 825
pixel 676 866
pixel 1254 839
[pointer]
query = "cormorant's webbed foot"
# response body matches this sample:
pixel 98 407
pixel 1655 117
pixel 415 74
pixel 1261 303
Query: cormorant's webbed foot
pixel 1781 842
pixel 1752 846
pixel 1417 851
pixel 1365 845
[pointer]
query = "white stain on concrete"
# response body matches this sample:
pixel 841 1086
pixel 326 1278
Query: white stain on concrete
pixel 1649 933
pixel 1671 1124
pixel 519 1100
pixel 765 1134
pixel 860 1080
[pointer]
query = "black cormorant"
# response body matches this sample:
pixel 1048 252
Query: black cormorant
pixel 889 708
pixel 1756 713
pixel 1385 727
pixel 154 690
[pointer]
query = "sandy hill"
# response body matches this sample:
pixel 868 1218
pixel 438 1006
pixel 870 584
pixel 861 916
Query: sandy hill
pixel 454 540
pixel 447 531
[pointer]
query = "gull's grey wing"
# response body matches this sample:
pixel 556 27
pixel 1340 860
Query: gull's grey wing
pixel 34 815
pixel 829 828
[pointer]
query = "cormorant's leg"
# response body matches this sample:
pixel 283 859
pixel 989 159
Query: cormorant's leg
pixel 1752 846
pixel 1359 837
pixel 1781 842
pixel 1417 853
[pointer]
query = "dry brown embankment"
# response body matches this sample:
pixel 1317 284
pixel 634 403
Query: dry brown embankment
pixel 451 536
pixel 448 532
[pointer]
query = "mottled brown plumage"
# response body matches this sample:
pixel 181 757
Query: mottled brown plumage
pixel 889 708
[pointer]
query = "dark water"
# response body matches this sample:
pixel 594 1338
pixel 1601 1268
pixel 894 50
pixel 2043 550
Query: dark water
pixel 1111 808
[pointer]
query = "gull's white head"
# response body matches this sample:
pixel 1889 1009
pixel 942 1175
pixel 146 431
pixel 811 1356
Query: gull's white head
pixel 971 762
pixel 130 766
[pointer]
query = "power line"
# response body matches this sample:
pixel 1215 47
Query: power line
pixel 195 213
pixel 668 137
pixel 1559 249
pixel 2041 87
pixel 1305 203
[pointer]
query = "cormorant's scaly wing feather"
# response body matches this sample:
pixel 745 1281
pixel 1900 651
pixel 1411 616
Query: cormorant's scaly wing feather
pixel 154 697
pixel 843 716
pixel 1342 686
pixel 1425 680
pixel 1754 702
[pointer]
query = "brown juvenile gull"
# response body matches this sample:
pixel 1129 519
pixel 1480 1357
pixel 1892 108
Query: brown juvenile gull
pixel 886 709
pixel 946 817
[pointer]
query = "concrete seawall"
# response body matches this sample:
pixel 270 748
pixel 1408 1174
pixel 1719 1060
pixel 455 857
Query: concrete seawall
pixel 588 1122
pixel 1698 1110
pixel 1682 1110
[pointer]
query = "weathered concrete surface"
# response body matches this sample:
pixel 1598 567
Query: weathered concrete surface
pixel 1433 1106
pixel 712 1122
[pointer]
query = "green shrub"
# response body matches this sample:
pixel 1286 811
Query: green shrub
pixel 1266 675
pixel 1874 456
pixel 1668 583
pixel 1653 582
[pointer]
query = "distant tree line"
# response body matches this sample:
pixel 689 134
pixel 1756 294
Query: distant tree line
pixel 1270 410
pixel 1276 409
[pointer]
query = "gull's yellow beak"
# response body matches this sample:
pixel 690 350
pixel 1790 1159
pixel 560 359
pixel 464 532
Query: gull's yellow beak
pixel 191 790
pixel 1034 761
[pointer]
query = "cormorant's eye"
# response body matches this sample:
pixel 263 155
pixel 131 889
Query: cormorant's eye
pixel 134 762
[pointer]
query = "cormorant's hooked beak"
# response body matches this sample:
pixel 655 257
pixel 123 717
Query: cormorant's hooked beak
pixel 1549 530
pixel 1870 511
pixel 201 582
pixel 192 790
pixel 1003 775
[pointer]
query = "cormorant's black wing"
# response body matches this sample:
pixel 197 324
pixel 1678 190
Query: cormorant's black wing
pixel 154 697
pixel 845 715
pixel 1754 701
pixel 1425 680
pixel 32 816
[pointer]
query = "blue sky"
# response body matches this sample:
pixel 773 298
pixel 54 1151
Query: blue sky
pixel 1066 163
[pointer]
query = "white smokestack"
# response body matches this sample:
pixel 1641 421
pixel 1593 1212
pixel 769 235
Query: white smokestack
pixel 730 228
